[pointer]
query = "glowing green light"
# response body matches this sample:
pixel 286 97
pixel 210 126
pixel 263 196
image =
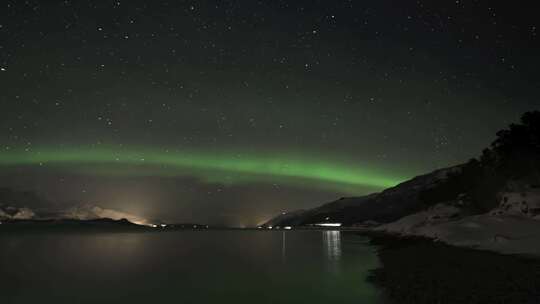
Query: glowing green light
pixel 227 168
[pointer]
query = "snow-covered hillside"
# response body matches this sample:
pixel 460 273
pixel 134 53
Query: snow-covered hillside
pixel 513 227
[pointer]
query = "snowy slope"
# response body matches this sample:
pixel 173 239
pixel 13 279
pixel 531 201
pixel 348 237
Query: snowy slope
pixel 512 228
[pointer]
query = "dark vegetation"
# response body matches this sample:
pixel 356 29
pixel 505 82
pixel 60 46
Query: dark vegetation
pixel 514 155
pixel 419 271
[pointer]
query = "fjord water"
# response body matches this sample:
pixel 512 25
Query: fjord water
pixel 187 267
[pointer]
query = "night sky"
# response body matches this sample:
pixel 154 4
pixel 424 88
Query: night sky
pixel 229 112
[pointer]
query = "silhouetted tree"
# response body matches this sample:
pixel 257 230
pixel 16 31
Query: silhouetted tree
pixel 515 154
pixel 518 148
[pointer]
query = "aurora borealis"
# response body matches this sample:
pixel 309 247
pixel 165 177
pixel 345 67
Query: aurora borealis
pixel 230 112
pixel 216 168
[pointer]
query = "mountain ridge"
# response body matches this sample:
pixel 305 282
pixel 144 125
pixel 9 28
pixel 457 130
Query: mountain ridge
pixel 380 207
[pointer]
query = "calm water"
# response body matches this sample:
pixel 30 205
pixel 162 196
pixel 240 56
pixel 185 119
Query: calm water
pixel 187 267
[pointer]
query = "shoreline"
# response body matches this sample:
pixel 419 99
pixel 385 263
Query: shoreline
pixel 419 270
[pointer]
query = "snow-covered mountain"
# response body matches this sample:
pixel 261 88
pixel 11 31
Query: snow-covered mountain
pixel 14 213
pixel 92 212
pixel 25 205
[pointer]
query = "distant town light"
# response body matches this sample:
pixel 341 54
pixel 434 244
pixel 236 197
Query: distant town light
pixel 270 227
pixel 329 224
pixel 287 227
pixel 153 225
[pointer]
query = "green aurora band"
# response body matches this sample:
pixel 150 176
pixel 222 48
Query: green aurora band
pixel 226 168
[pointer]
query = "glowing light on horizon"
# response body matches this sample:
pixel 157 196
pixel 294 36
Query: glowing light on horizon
pixel 141 223
pixel 328 224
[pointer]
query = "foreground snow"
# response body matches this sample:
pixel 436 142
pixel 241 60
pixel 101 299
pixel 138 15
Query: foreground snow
pixel 503 233
pixel 511 228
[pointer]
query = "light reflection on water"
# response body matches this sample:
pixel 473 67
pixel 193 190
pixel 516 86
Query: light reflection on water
pixel 332 243
pixel 186 267
pixel 283 245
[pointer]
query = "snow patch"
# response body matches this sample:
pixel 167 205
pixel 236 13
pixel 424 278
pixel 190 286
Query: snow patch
pixel 14 213
pixel 433 216
pixel 501 233
pixel 522 203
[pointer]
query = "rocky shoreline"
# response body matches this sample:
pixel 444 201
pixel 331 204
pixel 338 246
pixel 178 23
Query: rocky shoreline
pixel 418 270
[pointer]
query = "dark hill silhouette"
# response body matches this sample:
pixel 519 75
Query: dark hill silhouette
pixel 513 156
